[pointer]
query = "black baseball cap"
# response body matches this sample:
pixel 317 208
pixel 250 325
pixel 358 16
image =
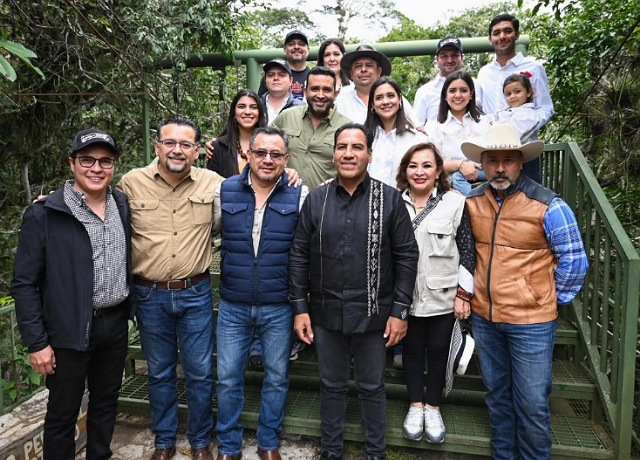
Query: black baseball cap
pixel 296 34
pixel 93 136
pixel 277 63
pixel 449 41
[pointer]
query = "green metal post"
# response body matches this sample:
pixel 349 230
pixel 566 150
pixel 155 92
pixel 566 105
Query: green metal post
pixel 253 74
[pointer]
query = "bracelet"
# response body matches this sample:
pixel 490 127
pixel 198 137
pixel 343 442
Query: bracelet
pixel 463 295
pixel 461 163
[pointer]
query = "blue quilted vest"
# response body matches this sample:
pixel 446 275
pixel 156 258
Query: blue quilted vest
pixel 261 280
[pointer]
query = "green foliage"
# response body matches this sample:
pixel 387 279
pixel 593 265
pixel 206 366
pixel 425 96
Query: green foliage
pixel 596 91
pixel 20 52
pixel 268 27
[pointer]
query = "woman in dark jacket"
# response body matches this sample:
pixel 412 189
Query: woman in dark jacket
pixel 245 116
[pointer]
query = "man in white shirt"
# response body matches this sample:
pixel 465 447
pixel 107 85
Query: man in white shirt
pixel 449 57
pixel 503 34
pixel 364 66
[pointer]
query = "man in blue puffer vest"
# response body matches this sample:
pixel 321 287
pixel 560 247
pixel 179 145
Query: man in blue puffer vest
pixel 259 217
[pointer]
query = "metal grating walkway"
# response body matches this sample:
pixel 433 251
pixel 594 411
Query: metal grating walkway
pixel 467 426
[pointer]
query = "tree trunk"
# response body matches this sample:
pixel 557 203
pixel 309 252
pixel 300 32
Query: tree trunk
pixel 24 173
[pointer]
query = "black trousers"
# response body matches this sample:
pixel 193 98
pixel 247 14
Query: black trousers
pixel 434 333
pixel 101 367
pixel 334 351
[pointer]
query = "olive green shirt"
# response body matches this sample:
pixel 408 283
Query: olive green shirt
pixel 311 151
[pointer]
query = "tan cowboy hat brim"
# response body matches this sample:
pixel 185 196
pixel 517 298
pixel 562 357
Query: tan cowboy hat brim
pixel 530 151
pixel 381 59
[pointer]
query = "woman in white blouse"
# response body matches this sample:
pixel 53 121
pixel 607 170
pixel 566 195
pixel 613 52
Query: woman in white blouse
pixel 459 120
pixel 393 132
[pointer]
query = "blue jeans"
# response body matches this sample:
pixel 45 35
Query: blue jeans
pixel 167 318
pixel 459 183
pixel 516 360
pixel 236 327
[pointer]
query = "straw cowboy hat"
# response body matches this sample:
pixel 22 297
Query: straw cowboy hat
pixel 502 137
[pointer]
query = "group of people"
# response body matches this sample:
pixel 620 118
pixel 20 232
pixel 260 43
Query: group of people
pixel 333 197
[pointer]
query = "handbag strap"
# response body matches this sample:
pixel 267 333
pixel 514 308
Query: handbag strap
pixel 431 204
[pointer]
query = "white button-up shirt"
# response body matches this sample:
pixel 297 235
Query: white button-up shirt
pixel 351 106
pixel 388 150
pixel 449 136
pixel 523 119
pixel 491 78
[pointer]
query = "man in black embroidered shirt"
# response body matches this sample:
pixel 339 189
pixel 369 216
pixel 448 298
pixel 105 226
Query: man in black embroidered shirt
pixel 355 253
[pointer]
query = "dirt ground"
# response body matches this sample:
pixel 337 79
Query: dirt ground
pixel 133 440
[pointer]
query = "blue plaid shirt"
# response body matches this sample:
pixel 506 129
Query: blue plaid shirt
pixel 564 238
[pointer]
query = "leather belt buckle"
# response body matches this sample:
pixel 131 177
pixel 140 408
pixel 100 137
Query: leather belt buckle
pixel 178 285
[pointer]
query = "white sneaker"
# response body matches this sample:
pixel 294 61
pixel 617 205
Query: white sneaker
pixel 433 425
pixel 414 424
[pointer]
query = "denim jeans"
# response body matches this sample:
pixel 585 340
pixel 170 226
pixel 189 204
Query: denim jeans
pixel 101 367
pixel 236 327
pixel 516 360
pixel 459 183
pixel 166 319
pixel 334 351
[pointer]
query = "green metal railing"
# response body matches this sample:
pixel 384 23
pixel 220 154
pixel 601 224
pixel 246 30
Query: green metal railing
pixel 606 311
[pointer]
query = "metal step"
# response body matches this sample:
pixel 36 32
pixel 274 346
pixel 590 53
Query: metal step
pixel 574 436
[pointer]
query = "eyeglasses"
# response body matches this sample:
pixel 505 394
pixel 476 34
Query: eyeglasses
pixel 88 162
pixel 261 154
pixel 185 145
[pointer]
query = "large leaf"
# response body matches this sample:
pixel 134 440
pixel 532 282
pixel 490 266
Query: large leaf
pixel 17 49
pixel 21 52
pixel 7 70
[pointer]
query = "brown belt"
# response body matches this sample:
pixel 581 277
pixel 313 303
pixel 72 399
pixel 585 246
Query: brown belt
pixel 171 285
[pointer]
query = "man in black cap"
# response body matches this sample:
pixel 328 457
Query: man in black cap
pixel 296 50
pixel 72 291
pixel 364 66
pixel 449 57
pixel 278 79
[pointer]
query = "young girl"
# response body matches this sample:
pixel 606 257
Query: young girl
pixel 459 120
pixel 521 115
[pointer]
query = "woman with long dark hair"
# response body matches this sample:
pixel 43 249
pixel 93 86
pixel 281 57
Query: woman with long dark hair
pixel 459 120
pixel 329 55
pixel 246 114
pixel 393 132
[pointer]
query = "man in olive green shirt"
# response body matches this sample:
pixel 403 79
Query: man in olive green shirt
pixel 311 129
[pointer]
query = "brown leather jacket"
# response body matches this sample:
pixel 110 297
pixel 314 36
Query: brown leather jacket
pixel 514 280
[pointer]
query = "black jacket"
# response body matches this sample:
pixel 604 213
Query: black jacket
pixel 53 275
pixel 224 161
pixel 328 259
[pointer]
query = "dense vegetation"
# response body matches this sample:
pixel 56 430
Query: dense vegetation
pixel 97 63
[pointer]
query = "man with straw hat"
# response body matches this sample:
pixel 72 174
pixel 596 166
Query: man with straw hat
pixel 530 261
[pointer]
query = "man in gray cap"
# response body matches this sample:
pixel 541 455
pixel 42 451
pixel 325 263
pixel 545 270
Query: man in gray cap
pixel 364 66
pixel 72 288
pixel 278 79
pixel 296 50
